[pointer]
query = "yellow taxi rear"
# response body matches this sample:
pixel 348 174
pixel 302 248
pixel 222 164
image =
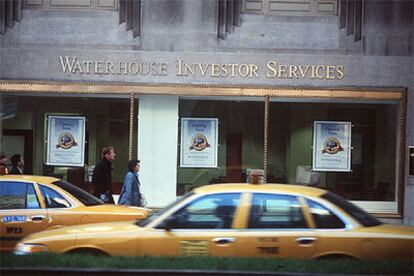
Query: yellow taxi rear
pixel 29 204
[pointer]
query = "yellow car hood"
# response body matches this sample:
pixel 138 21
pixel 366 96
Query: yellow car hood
pixel 69 234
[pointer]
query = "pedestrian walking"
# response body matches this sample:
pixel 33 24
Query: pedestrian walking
pixel 131 190
pixel 102 176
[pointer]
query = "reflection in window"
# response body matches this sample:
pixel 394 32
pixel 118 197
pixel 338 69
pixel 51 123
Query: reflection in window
pixel 323 217
pixel 276 211
pixel 373 175
pixel 53 199
pixel 17 195
pixel 208 212
pixel 240 132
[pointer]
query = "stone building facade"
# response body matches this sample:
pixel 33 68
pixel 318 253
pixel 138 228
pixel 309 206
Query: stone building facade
pixel 267 70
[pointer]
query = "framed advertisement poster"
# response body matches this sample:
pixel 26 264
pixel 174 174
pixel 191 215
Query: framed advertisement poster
pixel 331 146
pixel 199 143
pixel 65 141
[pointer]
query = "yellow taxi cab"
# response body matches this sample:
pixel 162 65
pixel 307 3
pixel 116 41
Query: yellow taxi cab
pixel 31 204
pixel 269 220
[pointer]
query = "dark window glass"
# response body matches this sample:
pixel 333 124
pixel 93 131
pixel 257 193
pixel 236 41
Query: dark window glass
pixel 53 199
pixel 324 218
pixel 240 136
pixel 214 211
pixel 354 211
pixel 17 195
pixel 374 141
pixel 276 211
pixel 86 198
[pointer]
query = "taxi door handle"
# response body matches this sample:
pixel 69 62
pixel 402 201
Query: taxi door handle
pixel 38 218
pixel 224 240
pixel 306 241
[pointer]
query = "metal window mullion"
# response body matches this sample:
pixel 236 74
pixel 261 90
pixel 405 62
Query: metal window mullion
pixel 266 138
pixel 131 125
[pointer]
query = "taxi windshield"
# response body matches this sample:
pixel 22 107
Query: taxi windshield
pixel 147 220
pixel 357 213
pixel 84 197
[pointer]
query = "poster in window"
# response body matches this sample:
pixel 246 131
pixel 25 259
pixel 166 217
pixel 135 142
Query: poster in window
pixel 66 141
pixel 199 142
pixel 331 146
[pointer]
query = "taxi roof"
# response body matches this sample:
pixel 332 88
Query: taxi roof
pixel 246 187
pixel 34 178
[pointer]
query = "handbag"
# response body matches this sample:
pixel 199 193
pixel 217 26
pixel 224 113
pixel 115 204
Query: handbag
pixel 104 197
pixel 143 201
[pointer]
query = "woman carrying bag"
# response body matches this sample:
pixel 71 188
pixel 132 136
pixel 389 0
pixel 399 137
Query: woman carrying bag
pixel 131 190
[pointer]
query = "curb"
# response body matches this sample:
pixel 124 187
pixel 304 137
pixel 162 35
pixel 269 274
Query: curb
pixel 173 272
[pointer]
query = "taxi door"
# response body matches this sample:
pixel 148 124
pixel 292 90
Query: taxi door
pixel 21 212
pixel 201 227
pixel 276 226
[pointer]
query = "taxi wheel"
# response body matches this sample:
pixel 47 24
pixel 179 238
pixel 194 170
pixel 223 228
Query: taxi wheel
pixel 88 251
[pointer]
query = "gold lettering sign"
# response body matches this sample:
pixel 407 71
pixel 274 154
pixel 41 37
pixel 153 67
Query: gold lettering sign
pixel 272 70
pixel 101 67
pixel 286 71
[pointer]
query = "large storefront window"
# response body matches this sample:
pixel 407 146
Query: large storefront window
pixel 372 180
pixel 240 138
pixel 107 124
pixel 373 175
pixel 270 130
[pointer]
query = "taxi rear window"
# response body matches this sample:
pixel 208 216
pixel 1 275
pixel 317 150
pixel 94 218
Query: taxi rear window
pixel 357 213
pixel 86 198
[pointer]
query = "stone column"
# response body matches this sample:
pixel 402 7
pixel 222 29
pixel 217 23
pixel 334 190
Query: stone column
pixel 157 148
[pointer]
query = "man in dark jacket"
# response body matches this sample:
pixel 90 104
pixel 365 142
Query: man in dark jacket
pixel 102 175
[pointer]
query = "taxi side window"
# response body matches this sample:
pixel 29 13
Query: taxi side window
pixel 17 195
pixel 324 218
pixel 275 211
pixel 208 212
pixel 53 199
